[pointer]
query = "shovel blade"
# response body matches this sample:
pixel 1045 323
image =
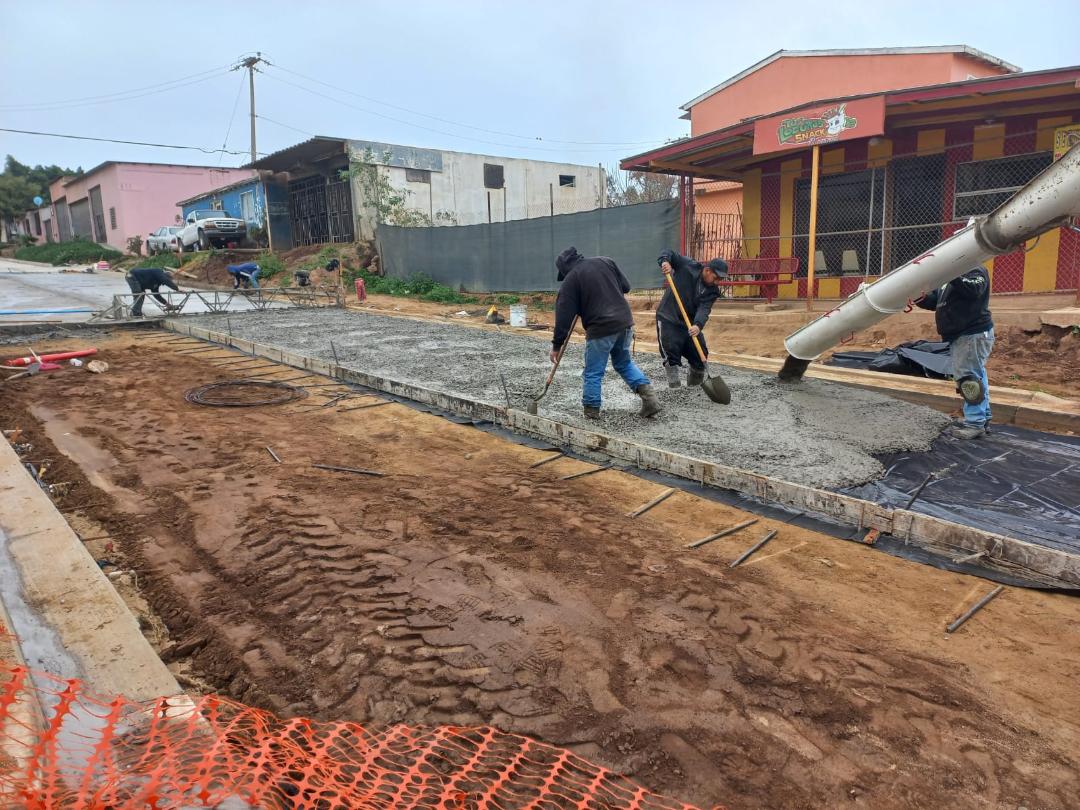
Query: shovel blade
pixel 716 389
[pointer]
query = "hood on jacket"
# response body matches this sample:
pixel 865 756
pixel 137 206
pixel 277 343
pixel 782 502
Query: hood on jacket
pixel 566 261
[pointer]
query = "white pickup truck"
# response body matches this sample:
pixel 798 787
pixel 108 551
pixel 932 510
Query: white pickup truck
pixel 205 229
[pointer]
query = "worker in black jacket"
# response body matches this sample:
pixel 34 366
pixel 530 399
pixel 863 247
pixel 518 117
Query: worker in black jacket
pixel 595 290
pixel 149 279
pixel 962 314
pixel 697 288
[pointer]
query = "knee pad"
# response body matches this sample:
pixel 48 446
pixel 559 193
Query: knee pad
pixel 971 388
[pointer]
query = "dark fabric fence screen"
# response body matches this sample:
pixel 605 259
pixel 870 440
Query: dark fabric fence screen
pixel 520 255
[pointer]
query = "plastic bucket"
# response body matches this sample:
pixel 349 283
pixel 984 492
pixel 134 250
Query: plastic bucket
pixel 519 316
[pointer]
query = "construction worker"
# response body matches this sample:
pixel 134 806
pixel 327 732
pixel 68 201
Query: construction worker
pixel 962 314
pixel 697 286
pixel 594 289
pixel 149 279
pixel 246 274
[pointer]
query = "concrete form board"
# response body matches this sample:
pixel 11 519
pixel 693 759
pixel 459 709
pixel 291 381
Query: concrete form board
pixel 921 530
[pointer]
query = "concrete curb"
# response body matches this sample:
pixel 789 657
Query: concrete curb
pixel 65 613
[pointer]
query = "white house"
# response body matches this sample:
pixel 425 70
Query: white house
pixel 441 187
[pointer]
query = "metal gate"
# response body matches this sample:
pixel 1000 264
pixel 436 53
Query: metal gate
pixel 320 211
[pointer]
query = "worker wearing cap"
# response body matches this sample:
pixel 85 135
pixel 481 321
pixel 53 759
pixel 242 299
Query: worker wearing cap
pixel 141 280
pixel 962 315
pixel 697 286
pixel 246 274
pixel 594 289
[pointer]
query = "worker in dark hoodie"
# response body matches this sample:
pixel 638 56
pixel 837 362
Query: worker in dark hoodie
pixel 143 280
pixel 595 290
pixel 962 314
pixel 697 286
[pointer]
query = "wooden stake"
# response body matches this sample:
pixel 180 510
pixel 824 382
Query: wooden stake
pixel 347 469
pixel 746 554
pixel 587 472
pixel 722 533
pixel 952 628
pixel 641 510
pixel 543 461
pixel 273 455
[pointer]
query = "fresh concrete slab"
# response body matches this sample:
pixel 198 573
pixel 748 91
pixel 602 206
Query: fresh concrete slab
pixel 813 433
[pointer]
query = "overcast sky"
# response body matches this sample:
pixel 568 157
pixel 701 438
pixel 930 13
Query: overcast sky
pixel 578 71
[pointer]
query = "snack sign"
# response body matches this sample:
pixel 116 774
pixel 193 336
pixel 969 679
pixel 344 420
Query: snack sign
pixel 828 123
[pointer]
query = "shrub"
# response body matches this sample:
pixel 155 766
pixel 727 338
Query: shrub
pixel 77 251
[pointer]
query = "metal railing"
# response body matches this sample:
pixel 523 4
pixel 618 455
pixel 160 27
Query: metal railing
pixel 211 301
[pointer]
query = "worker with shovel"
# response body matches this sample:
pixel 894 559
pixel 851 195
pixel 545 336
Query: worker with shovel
pixel 594 289
pixel 142 280
pixel 691 287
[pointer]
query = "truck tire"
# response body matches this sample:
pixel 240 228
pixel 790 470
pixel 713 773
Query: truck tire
pixel 204 242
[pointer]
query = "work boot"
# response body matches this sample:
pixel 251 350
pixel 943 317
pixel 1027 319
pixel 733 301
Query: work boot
pixel 650 405
pixel 695 377
pixel 592 412
pixel 672 376
pixel 962 430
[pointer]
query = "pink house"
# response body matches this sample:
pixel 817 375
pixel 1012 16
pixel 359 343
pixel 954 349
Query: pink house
pixel 115 201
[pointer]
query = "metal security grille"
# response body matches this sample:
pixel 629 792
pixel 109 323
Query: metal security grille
pixel 882 205
pixel 320 211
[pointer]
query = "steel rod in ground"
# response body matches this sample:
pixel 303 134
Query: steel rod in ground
pixel 369 405
pixel 333 348
pixel 593 471
pixel 273 455
pixel 750 551
pixel 918 491
pixel 659 499
pixel 722 533
pixel 956 625
pixel 356 470
pixel 199 350
pixel 547 460
pixel 334 399
pixel 506 391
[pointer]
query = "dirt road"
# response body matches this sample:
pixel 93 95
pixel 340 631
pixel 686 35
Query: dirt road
pixel 465 587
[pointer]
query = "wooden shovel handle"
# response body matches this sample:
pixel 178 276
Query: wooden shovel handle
pixel 558 357
pixel 686 318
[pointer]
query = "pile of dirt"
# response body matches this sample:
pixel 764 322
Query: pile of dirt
pixel 1047 360
pixel 466 588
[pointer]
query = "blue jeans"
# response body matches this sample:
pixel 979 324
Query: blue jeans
pixel 597 352
pixel 969 355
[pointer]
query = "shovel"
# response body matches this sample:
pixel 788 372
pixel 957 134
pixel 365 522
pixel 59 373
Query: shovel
pixel 714 387
pixel 534 405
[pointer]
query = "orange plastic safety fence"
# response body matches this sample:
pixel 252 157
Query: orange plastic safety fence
pixel 63 748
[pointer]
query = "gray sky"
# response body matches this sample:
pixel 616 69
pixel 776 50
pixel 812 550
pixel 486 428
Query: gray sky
pixel 579 71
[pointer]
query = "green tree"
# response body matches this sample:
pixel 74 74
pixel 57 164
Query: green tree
pixel 20 183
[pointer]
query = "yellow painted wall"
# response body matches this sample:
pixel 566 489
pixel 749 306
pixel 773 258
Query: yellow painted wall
pixel 930 141
pixel 878 154
pixel 1040 264
pixel 832 160
pixel 790 170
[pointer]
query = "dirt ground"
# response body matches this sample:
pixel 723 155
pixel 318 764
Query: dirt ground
pixel 1039 359
pixel 465 587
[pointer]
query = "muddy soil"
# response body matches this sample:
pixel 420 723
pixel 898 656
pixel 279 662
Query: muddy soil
pixel 813 432
pixel 465 588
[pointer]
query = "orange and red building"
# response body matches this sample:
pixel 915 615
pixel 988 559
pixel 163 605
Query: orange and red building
pixel 912 141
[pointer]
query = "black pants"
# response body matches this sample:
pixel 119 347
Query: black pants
pixel 140 295
pixel 675 344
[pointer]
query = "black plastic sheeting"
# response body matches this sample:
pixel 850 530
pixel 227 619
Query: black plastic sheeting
pixel 519 256
pixel 1017 482
pixel 920 358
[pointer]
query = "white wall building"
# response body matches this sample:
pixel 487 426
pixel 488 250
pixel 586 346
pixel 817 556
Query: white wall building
pixel 447 188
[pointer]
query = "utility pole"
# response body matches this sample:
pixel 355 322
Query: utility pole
pixel 250 62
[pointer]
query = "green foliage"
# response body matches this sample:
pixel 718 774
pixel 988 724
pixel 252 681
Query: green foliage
pixel 77 251
pixel 270 265
pixel 389 203
pixel 19 184
pixel 417 286
pixel 162 260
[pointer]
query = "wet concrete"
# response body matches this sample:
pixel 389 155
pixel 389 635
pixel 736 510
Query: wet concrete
pixel 813 432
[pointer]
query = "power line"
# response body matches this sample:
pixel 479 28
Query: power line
pixel 123 95
pixel 431 129
pixel 116 140
pixel 458 123
pixel 262 117
pixel 232 117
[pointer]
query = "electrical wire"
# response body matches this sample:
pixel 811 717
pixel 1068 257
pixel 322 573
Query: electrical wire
pixel 262 117
pixel 232 118
pixel 116 140
pixel 458 123
pixel 421 126
pixel 123 95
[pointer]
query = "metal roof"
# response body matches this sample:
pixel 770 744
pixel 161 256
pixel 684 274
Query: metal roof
pixel 965 50
pixel 247 181
pixel 308 151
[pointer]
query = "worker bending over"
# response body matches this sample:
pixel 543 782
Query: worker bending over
pixel 594 289
pixel 697 286
pixel 246 275
pixel 962 314
pixel 149 279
